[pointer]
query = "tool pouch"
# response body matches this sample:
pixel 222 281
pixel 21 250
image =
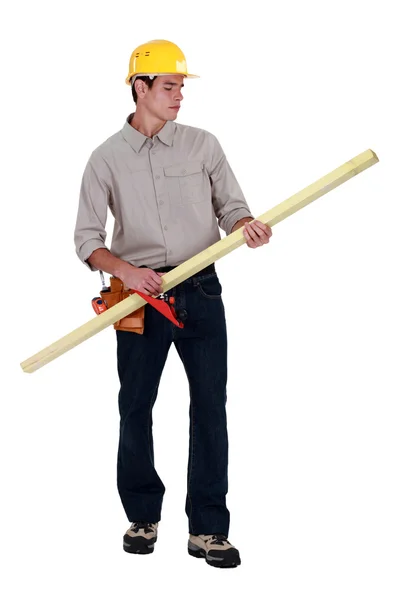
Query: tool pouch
pixel 133 322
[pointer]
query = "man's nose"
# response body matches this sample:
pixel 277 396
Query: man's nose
pixel 179 96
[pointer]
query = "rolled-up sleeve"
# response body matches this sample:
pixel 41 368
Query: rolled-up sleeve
pixel 228 200
pixel 90 233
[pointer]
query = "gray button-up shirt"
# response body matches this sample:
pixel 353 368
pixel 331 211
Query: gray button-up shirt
pixel 167 195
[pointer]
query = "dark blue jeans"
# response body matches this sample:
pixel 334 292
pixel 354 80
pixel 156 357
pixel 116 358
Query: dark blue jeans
pixel 202 347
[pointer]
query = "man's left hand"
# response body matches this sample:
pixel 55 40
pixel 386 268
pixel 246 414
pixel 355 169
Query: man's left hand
pixel 256 233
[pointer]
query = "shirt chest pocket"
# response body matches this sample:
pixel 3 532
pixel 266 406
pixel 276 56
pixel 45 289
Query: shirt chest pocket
pixel 185 182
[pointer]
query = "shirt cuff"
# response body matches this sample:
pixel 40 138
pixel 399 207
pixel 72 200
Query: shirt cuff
pixel 233 218
pixel 86 250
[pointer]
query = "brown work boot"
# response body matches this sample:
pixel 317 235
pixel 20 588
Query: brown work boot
pixel 140 537
pixel 215 548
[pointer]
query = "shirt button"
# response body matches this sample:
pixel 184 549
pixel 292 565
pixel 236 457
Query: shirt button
pixel 157 177
pixel 153 151
pixel 165 227
pixel 184 172
pixel 161 201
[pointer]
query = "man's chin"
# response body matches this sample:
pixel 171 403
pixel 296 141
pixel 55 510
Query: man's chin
pixel 168 115
pixel 172 114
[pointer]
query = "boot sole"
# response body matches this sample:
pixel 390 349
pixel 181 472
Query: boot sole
pixel 138 545
pixel 213 561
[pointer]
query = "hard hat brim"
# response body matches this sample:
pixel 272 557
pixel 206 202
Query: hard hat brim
pixel 188 75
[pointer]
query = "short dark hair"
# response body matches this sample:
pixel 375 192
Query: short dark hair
pixel 147 80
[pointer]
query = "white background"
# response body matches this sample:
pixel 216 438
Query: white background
pixel 292 91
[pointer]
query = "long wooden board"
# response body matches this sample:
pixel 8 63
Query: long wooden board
pixel 190 267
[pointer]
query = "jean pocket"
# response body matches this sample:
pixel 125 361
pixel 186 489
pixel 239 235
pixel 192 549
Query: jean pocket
pixel 209 286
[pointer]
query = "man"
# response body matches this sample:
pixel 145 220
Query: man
pixel 168 187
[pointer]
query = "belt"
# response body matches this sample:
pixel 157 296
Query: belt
pixel 205 271
pixel 163 305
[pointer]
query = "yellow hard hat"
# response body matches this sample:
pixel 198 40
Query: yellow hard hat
pixel 158 57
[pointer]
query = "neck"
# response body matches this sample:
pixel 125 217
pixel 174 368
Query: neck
pixel 146 123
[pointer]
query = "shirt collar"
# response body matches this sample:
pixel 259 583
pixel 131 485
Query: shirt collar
pixel 136 139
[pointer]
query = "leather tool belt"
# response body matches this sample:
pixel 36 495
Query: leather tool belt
pixel 134 321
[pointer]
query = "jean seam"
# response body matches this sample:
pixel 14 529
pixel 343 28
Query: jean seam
pixel 191 469
pixel 148 419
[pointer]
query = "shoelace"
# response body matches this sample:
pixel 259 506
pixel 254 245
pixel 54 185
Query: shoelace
pixel 142 525
pixel 219 539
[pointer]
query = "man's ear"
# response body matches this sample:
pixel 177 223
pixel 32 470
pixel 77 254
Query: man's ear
pixel 140 87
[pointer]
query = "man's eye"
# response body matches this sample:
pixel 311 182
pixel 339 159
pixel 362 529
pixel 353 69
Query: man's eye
pixel 168 89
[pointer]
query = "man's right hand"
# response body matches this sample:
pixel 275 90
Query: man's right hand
pixel 142 279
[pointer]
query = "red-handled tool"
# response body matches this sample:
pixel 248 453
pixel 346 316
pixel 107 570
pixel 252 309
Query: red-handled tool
pixel 98 305
pixel 163 307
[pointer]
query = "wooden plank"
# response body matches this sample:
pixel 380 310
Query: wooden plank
pixel 202 259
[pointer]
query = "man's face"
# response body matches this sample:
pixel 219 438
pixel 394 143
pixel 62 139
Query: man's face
pixel 163 100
